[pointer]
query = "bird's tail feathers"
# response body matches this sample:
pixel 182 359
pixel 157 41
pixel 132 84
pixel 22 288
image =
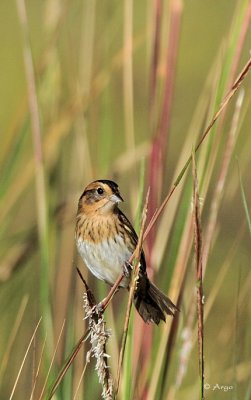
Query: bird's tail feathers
pixel 153 306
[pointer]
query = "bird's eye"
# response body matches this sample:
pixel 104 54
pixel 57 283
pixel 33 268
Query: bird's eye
pixel 100 190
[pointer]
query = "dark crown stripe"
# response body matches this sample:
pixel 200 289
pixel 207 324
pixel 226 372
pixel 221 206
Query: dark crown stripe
pixel 111 184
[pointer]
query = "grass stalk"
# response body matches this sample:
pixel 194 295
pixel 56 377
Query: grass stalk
pixel 24 359
pixel 199 284
pixel 133 286
pixel 40 178
pixel 227 98
pixel 210 230
pixel 219 190
pixel 12 336
pixel 224 103
pixel 67 364
pixel 244 201
pixel 51 363
pixel 38 370
pixel 132 349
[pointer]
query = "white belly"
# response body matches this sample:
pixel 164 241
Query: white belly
pixel 106 259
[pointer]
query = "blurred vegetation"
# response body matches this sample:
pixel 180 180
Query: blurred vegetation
pixel 122 87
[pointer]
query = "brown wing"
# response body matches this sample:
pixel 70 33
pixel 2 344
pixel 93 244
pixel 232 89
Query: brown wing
pixel 128 228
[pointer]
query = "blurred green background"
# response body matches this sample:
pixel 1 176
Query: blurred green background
pixel 99 118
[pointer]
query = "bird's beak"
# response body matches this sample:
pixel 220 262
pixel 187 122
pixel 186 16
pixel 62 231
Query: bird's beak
pixel 116 198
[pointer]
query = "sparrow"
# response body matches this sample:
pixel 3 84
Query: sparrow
pixel 106 239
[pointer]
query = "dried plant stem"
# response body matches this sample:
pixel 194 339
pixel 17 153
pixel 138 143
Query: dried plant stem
pixel 99 336
pixel 133 286
pixel 198 256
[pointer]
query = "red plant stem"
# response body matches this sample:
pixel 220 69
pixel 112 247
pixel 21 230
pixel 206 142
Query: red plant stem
pixel 239 47
pixel 155 57
pixel 171 58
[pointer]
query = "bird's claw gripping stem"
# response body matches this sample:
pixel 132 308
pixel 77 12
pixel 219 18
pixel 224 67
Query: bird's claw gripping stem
pixel 127 267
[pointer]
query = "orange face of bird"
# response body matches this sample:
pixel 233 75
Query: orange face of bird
pixel 99 197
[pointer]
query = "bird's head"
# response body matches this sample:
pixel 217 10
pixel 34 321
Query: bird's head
pixel 99 197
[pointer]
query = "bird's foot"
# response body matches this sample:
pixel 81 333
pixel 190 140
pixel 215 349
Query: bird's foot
pixel 127 268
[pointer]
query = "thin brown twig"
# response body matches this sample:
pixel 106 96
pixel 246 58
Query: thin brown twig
pixel 90 295
pixel 104 303
pixel 199 284
pixel 224 103
pixel 133 286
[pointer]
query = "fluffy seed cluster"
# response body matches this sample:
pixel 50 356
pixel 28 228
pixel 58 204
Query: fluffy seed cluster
pixel 99 336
